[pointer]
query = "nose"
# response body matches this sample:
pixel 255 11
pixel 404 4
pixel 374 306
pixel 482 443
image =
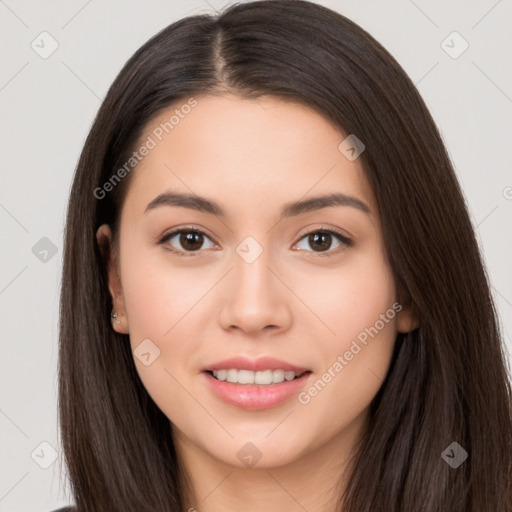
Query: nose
pixel 255 297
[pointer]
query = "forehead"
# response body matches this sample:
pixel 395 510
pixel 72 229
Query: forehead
pixel 246 153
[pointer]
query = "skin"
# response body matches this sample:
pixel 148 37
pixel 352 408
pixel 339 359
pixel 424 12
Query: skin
pixel 253 157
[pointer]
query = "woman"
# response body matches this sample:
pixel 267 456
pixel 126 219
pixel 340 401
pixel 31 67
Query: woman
pixel 272 293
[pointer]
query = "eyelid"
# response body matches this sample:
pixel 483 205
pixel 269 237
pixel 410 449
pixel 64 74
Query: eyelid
pixel 167 236
pixel 344 239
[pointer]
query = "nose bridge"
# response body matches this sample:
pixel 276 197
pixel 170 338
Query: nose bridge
pixel 255 298
pixel 251 268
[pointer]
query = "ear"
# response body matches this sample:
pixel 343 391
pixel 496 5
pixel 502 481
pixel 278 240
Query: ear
pixel 407 319
pixel 107 249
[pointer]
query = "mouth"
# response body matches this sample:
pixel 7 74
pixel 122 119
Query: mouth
pixel 268 377
pixel 255 391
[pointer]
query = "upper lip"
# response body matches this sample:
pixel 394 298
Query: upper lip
pixel 255 365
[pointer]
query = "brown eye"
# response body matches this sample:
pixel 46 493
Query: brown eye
pixel 191 240
pixel 186 240
pixel 322 240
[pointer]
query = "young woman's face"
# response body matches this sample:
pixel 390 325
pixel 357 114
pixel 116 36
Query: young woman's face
pixel 254 278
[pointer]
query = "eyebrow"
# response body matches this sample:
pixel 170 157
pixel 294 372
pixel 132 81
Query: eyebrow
pixel 202 204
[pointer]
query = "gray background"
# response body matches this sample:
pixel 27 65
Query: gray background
pixel 48 105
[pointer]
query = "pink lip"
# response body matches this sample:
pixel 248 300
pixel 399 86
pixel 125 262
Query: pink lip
pixel 255 365
pixel 253 396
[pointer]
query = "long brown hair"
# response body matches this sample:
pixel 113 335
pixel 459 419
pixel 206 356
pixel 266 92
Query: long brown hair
pixel 448 381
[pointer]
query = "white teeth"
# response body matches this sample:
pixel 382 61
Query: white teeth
pixel 232 376
pixel 262 377
pixel 278 376
pixel 289 375
pixel 248 377
pixel 221 374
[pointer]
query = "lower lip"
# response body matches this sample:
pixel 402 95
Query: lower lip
pixel 256 397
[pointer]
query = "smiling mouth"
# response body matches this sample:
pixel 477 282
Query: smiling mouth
pixel 255 391
pixel 259 378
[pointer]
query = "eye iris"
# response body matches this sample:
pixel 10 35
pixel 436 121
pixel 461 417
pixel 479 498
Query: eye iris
pixel 188 238
pixel 315 237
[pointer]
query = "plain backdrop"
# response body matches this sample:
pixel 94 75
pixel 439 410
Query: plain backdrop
pixel 47 107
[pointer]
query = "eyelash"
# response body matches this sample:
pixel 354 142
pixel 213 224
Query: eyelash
pixel 347 242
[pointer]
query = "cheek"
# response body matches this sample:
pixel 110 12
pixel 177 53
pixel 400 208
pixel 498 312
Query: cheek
pixel 157 310
pixel 356 304
pixel 159 299
pixel 344 301
pixel 159 293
